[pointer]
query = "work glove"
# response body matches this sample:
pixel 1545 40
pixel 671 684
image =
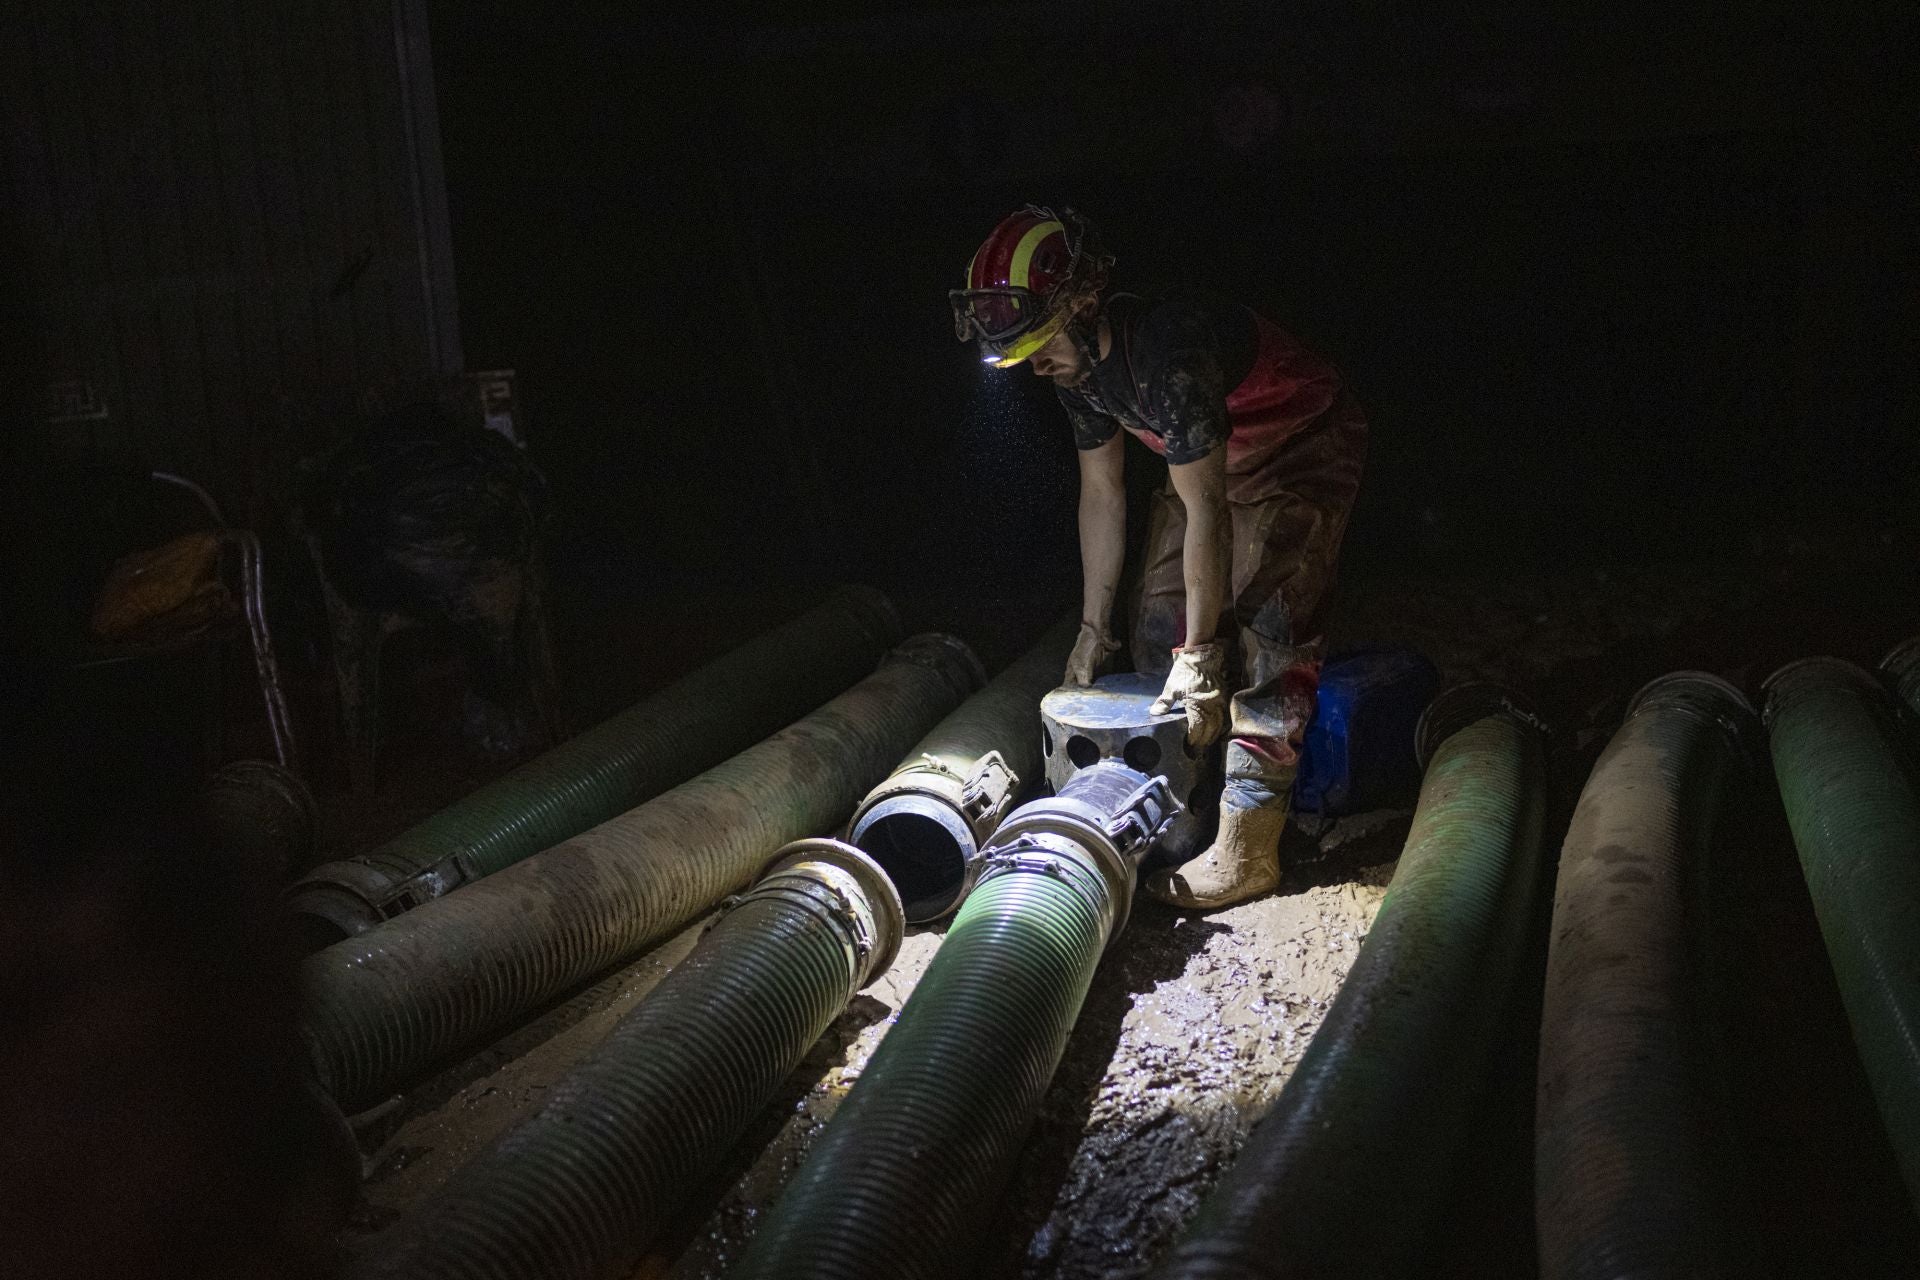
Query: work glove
pixel 1091 648
pixel 1197 683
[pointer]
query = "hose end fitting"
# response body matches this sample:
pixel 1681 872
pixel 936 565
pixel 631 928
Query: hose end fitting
pixel 923 846
pixel 342 897
pixel 1469 702
pixel 864 897
pixel 926 822
pixel 1711 700
pixel 1106 819
pixel 1814 677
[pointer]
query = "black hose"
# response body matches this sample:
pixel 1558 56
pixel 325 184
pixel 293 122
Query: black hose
pixel 588 1181
pixel 1623 1177
pixel 1347 1174
pixel 388 1005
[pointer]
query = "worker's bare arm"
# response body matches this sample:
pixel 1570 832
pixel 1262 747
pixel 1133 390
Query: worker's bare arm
pixel 1103 529
pixel 1202 487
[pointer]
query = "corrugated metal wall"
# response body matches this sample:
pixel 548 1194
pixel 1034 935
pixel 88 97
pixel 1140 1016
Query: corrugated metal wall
pixel 228 218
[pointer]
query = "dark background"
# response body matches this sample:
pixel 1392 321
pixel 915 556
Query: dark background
pixel 1619 286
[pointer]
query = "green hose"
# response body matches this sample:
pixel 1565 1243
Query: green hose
pixel 1902 666
pixel 1851 800
pixel 927 1136
pixel 934 812
pixel 1348 1171
pixel 699 720
pixel 1623 1178
pixel 925 1141
pixel 589 1180
pixel 380 1009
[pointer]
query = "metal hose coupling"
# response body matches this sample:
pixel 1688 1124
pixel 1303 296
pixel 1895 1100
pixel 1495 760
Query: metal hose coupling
pixel 1711 702
pixel 593 1177
pixel 941 652
pixel 939 808
pixel 913 1159
pixel 929 819
pixel 1113 720
pixel 1460 705
pixel 839 883
pixel 1104 820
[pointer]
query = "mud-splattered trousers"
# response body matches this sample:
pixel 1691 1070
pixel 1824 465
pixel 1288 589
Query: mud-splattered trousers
pixel 1290 487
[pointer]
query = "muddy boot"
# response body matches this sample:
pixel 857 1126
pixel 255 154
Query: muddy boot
pixel 1243 861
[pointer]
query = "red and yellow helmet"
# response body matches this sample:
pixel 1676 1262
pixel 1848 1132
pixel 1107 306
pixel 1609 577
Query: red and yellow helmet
pixel 1023 282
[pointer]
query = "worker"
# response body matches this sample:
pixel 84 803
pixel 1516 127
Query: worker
pixel 1264 448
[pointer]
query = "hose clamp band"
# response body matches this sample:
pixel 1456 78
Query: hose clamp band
pixel 434 881
pixel 847 887
pixel 1058 858
pixel 1461 705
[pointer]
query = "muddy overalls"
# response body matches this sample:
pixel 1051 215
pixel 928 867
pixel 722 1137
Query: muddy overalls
pixel 1296 443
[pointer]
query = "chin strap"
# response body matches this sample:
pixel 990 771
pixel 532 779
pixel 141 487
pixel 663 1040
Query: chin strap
pixel 1086 336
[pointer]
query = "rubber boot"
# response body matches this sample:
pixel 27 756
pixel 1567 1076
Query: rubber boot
pixel 1243 861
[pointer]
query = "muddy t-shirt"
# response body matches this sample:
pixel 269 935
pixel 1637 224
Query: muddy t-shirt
pixel 1172 363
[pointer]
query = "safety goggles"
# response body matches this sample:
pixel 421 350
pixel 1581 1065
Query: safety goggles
pixel 995 316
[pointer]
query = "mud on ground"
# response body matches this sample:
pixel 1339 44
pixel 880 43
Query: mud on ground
pixel 1190 1027
pixel 1193 1023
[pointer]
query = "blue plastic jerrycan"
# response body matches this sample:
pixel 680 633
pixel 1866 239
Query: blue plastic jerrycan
pixel 1359 753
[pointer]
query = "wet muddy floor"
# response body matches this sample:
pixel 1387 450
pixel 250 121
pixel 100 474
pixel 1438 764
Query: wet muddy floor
pixel 1193 1023
pixel 1189 1030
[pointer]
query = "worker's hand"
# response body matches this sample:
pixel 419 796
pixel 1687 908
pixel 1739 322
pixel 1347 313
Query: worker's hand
pixel 1091 648
pixel 1197 683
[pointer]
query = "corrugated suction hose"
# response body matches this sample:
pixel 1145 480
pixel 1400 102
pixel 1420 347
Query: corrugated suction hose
pixel 723 707
pixel 928 1135
pixel 1623 1179
pixel 1848 783
pixel 1346 1174
pixel 382 1008
pixel 591 1178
